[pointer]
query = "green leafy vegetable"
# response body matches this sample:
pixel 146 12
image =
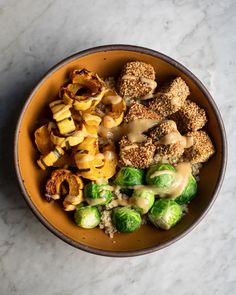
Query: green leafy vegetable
pixel 87 216
pixel 165 213
pixel 126 220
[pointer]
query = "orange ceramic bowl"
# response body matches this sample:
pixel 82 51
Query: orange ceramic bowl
pixel 108 61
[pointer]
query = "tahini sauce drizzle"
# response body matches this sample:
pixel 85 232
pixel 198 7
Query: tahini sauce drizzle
pixel 175 136
pixel 134 130
pixel 112 99
pixel 159 173
pixel 182 174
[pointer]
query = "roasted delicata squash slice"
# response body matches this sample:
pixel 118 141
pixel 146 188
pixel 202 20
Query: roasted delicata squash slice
pixel 62 115
pixel 75 185
pixel 91 120
pixel 85 91
pixel 71 139
pixel 50 158
pixel 105 171
pixel 88 146
pixel 42 140
pixel 114 117
pixel 88 154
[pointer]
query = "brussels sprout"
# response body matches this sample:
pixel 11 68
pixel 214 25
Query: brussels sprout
pixel 189 192
pixel 97 194
pixel 165 213
pixel 162 180
pixel 129 176
pixel 126 220
pixel 87 216
pixel 142 200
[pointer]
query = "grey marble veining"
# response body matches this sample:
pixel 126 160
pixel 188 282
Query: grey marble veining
pixel 34 35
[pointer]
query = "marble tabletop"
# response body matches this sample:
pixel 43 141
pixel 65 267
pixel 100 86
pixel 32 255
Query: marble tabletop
pixel 34 35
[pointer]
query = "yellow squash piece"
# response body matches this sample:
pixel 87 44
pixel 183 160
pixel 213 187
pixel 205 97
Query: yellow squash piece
pixel 42 140
pixel 60 110
pixel 114 117
pixel 91 120
pixel 85 91
pixel 88 146
pixel 62 115
pixel 75 184
pixel 50 158
pixel 71 139
pixel 90 168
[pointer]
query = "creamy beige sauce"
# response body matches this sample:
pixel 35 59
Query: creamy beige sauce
pixel 54 197
pixel 182 174
pixel 101 181
pixel 133 130
pixel 175 136
pixel 94 202
pixel 110 133
pixel 109 155
pixel 120 202
pixel 163 172
pixel 141 203
pixel 129 77
pixel 129 147
pixel 112 99
pixel 108 122
pixel 85 158
pixel 72 199
pixel 151 83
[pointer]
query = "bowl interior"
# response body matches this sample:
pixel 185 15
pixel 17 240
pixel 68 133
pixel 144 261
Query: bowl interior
pixel 108 63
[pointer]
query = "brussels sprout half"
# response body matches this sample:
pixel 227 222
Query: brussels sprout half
pixel 142 200
pixel 189 192
pixel 165 213
pixel 126 220
pixel 164 179
pixel 97 194
pixel 87 216
pixel 129 176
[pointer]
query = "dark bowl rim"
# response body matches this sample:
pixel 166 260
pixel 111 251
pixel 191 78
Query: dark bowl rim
pixel 177 65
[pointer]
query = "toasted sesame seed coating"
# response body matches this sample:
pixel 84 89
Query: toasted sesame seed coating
pixel 202 148
pixel 139 111
pixel 162 129
pixel 131 84
pixel 170 97
pixel 168 153
pixel 139 155
pixel 190 117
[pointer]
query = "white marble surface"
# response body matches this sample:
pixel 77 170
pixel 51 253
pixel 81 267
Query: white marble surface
pixel 34 35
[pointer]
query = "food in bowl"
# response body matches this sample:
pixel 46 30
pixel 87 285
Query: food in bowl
pixel 123 152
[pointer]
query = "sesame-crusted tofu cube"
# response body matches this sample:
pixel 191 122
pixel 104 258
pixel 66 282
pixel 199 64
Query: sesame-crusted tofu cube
pixel 138 111
pixel 170 153
pixel 166 152
pixel 163 128
pixel 202 148
pixel 137 80
pixel 170 97
pixel 190 117
pixel 139 155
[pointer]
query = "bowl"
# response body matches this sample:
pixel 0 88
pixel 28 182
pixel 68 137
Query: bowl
pixel 108 61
